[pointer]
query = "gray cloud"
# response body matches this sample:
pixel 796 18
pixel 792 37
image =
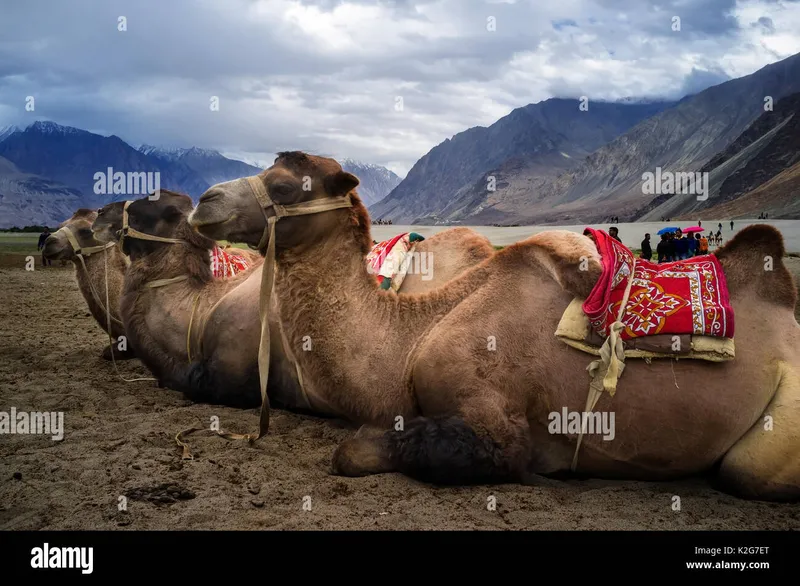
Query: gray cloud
pixel 325 75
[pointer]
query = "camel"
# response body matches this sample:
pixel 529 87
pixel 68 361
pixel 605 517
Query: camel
pixel 441 405
pixel 92 269
pixel 222 315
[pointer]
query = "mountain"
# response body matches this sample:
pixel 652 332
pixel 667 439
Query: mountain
pixel 27 199
pixel 534 187
pixel 7 131
pixel 375 181
pixel 758 172
pixel 680 139
pixel 209 165
pixel 453 180
pixel 72 156
pixel 48 170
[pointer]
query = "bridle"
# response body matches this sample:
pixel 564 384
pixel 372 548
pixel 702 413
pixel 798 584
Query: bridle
pixel 268 275
pixel 82 252
pixel 130 232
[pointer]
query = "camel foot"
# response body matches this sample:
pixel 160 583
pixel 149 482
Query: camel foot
pixel 118 354
pixel 361 456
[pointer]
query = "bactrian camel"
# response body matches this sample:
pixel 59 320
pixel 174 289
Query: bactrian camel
pixel 473 413
pixel 95 265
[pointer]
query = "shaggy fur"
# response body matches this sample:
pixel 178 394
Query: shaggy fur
pixel 482 350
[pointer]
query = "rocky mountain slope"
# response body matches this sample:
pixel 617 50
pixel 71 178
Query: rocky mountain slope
pixel 754 174
pixel 453 180
pixel 27 199
pixel 376 182
pixel 534 186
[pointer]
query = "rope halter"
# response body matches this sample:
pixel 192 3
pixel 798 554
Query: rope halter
pixel 268 274
pixel 82 252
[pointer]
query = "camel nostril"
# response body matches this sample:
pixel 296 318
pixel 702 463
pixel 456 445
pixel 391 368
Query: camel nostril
pixel 209 195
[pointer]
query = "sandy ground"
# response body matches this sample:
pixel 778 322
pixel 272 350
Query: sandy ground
pixel 119 442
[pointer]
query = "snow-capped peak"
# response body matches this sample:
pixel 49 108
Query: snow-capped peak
pixel 7 131
pixel 48 127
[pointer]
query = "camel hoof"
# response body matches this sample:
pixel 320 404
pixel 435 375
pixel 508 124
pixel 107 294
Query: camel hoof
pixel 361 456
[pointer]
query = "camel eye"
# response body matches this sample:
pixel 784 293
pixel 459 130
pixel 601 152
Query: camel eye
pixel 281 189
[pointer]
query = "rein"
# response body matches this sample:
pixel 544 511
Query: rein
pixel 268 277
pixel 82 252
pixel 131 232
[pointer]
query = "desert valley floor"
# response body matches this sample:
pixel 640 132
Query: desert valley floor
pixel 119 442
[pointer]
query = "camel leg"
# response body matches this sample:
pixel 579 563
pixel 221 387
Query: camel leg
pixel 483 443
pixel 764 463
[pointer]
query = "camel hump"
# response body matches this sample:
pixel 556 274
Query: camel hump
pixel 753 258
pixel 571 259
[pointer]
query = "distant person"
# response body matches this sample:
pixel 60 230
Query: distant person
pixel 731 225
pixel 702 246
pixel 614 233
pixel 664 251
pixel 681 246
pixel 699 224
pixel 647 250
pixel 46 262
pixel 693 245
pixel 719 226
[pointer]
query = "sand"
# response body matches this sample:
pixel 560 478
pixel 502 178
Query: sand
pixel 119 449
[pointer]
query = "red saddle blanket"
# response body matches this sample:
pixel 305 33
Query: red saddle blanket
pixel 683 297
pixel 225 264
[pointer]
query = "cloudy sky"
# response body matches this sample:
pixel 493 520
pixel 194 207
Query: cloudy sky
pixel 378 81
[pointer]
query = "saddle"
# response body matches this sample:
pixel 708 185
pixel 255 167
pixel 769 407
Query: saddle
pixel 226 264
pixel 390 259
pixel 640 309
pixel 679 309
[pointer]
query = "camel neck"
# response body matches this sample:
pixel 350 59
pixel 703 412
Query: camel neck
pixel 341 326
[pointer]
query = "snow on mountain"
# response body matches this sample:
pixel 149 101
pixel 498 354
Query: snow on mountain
pixel 7 131
pixel 376 182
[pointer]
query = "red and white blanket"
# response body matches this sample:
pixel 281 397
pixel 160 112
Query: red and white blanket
pixel 684 297
pixel 387 259
pixel 225 264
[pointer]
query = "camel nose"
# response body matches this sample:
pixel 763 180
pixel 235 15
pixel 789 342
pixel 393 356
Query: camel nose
pixel 209 195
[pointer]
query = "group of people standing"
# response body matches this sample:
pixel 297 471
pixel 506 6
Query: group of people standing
pixel 675 246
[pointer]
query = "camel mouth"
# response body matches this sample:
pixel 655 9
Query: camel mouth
pixel 54 251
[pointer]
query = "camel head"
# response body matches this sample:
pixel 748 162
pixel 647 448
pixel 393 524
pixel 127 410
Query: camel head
pixel 108 222
pixel 58 246
pixel 231 210
pixel 164 217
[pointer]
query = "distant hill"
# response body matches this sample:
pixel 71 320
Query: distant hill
pixel 453 180
pixel 27 199
pixel 48 170
pixel 375 181
pixel 759 171
pixel 551 165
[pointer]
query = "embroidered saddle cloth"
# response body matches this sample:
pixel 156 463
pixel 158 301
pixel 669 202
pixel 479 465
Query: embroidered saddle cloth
pixel 678 309
pixel 226 264
pixel 387 259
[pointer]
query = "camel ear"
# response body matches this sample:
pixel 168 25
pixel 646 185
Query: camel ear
pixel 341 183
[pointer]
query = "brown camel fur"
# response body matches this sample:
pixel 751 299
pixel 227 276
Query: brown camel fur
pixel 225 369
pixel 464 378
pixel 99 267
